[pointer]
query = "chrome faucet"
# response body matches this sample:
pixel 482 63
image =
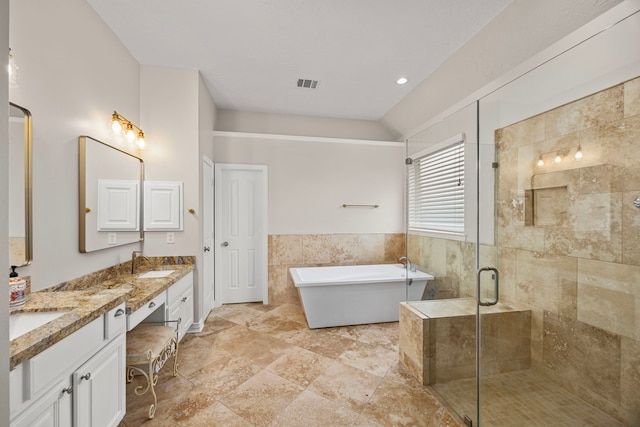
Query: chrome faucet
pixel 407 264
pixel 133 260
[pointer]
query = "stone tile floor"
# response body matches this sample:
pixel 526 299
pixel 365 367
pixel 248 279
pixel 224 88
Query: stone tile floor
pixel 256 365
pixel 523 398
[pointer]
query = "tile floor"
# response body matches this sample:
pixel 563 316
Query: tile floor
pixel 256 365
pixel 523 398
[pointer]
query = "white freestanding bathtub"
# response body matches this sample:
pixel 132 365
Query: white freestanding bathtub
pixel 355 295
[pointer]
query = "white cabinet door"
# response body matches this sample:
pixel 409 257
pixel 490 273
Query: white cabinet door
pixel 182 308
pixel 53 409
pixel 162 205
pixel 186 312
pixel 174 312
pixel 99 393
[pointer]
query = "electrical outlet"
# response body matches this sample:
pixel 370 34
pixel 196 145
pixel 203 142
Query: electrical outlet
pixel 171 238
pixel 111 238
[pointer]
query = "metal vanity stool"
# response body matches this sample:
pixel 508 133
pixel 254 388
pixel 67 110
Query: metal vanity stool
pixel 149 346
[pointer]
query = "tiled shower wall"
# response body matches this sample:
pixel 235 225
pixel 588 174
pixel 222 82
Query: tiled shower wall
pixel 569 248
pixel 302 250
pixel 568 238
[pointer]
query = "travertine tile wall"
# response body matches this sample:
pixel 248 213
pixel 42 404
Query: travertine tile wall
pixel 577 264
pixel 302 250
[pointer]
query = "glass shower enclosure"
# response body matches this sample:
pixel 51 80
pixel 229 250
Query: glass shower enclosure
pixel 531 318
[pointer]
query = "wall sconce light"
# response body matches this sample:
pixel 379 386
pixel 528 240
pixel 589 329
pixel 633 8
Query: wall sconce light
pixel 12 70
pixel 560 155
pixel 121 125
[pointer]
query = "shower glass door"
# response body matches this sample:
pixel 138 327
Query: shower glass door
pixel 565 174
pixel 442 241
pixel 545 265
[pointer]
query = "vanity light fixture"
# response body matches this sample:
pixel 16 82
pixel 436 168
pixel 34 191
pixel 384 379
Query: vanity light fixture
pixel 121 125
pixel 402 80
pixel 578 154
pixel 558 158
pixel 12 70
pixel 540 161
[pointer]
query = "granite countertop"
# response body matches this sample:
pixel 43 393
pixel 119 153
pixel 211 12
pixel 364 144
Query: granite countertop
pixel 83 304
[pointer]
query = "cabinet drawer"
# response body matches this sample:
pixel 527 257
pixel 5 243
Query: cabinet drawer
pixel 177 289
pixel 63 356
pixel 115 322
pixel 140 314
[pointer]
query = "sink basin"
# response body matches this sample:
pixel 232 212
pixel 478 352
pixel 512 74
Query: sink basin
pixel 154 274
pixel 21 323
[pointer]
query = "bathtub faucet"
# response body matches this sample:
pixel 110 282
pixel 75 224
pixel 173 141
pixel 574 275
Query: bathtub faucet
pixel 407 264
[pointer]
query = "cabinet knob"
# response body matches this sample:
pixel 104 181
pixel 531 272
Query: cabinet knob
pixel 86 376
pixel 119 312
pixel 225 244
pixel 184 299
pixel 207 248
pixel 152 304
pixel 68 390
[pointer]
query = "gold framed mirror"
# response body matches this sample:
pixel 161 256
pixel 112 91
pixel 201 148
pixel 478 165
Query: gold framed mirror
pixel 110 196
pixel 20 186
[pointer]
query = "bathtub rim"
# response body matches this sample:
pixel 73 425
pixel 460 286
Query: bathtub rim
pixel 417 276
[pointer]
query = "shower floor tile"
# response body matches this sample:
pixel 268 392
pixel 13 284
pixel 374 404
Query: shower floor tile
pixel 522 398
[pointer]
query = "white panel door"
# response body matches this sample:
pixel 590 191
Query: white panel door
pixel 207 237
pixel 240 233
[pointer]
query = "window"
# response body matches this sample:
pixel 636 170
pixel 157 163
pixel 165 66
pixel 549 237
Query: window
pixel 436 188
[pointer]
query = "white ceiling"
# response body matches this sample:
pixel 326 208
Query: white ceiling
pixel 251 52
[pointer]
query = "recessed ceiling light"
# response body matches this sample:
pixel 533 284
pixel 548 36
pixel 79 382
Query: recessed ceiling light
pixel 402 80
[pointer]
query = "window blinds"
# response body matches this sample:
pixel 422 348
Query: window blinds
pixel 436 190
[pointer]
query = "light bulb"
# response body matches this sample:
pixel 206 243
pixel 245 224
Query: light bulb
pixel 540 161
pixel 558 159
pixel 140 141
pixel 130 134
pixel 578 154
pixel 402 80
pixel 116 125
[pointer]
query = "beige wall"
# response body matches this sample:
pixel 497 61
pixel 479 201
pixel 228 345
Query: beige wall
pixel 73 73
pixel 288 124
pixel 310 180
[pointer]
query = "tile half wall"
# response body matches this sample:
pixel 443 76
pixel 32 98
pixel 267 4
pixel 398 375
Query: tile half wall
pixel 312 250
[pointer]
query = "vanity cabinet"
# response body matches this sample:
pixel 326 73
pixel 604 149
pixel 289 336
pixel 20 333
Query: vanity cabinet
pixel 79 381
pixel 180 303
pixel 99 389
pixel 53 409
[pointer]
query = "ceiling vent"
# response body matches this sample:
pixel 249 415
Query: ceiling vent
pixel 306 83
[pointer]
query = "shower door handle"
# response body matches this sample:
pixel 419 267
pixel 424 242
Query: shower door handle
pixel 496 281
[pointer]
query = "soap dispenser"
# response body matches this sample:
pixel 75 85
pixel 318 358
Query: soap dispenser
pixel 17 289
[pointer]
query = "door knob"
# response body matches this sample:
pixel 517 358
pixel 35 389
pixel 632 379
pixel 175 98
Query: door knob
pixel 225 244
pixel 207 248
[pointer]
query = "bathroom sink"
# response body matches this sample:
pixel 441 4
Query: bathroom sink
pixel 21 323
pixel 154 274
